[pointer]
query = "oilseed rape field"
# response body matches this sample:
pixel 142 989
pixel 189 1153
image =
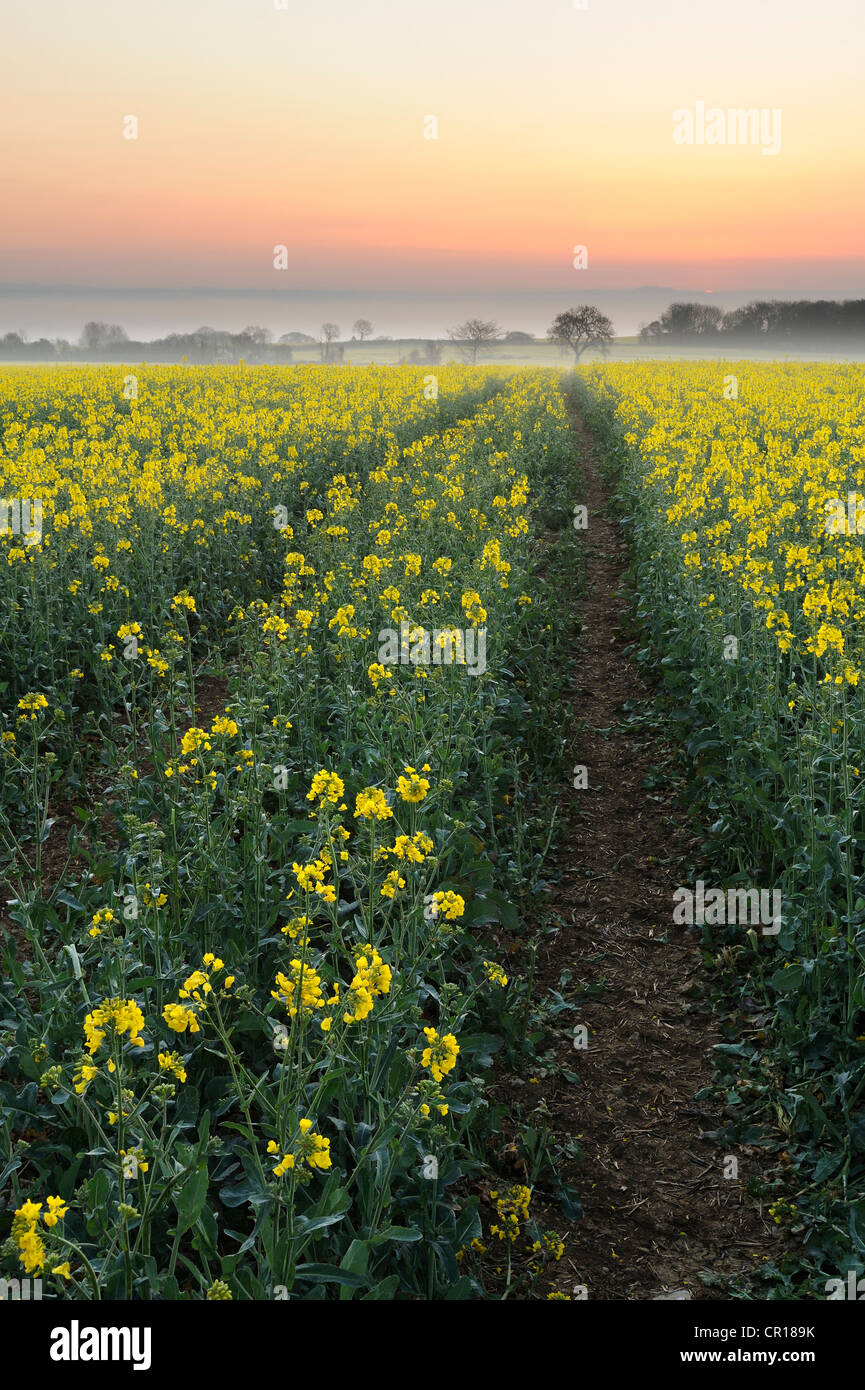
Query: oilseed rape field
pixel 277 713
pixel 287 722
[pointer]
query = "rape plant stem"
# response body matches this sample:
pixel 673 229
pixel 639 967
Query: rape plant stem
pixel 91 1275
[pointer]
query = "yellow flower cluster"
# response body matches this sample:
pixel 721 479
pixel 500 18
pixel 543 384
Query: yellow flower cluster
pixel 300 990
pixel 412 787
pixel 25 1230
pixel 196 741
pixel 447 905
pixel 103 918
pixel 495 974
pixel 31 705
pixel 440 1054
pixel 413 848
pixel 173 1062
pixel 372 977
pixel 512 1207
pixel 121 1015
pixel 311 1148
pixel 371 803
pixel 326 788
pixel 196 988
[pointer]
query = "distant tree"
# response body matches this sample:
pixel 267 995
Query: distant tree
pixel 428 353
pixel 582 328
pixel 15 345
pixel 851 316
pixel 515 336
pixel 760 319
pixel 362 328
pixel 330 351
pixel 96 336
pixel 649 332
pixel 296 339
pixel 691 320
pixel 257 335
pixel 814 318
pixel 473 335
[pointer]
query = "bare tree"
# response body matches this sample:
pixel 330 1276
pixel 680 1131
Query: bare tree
pixel 96 337
pixel 582 328
pixel 473 335
pixel 328 349
pixel 258 335
pixel 362 328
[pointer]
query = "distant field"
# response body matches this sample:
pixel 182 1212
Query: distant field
pixel 546 354
pixel 541 353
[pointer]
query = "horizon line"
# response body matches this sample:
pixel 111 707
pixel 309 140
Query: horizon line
pixel 416 293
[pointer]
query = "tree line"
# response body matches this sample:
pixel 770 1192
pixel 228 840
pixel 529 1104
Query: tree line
pixel 767 321
pixel 111 342
pixel 773 323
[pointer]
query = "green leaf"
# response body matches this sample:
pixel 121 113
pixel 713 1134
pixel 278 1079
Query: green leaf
pixel 191 1197
pixel 385 1290
pixel 68 900
pixel 306 1224
pixel 788 981
pixel 76 963
pixel 329 1274
pixel 405 1234
pixel 355 1259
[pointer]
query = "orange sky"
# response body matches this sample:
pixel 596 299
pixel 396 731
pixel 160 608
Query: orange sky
pixel 304 126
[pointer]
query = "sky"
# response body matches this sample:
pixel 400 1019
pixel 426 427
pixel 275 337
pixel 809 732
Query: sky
pixel 304 127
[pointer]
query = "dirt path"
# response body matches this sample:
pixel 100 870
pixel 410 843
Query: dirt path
pixel 657 1209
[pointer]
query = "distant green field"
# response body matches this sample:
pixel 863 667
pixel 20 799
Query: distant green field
pixel 543 353
pixel 540 353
